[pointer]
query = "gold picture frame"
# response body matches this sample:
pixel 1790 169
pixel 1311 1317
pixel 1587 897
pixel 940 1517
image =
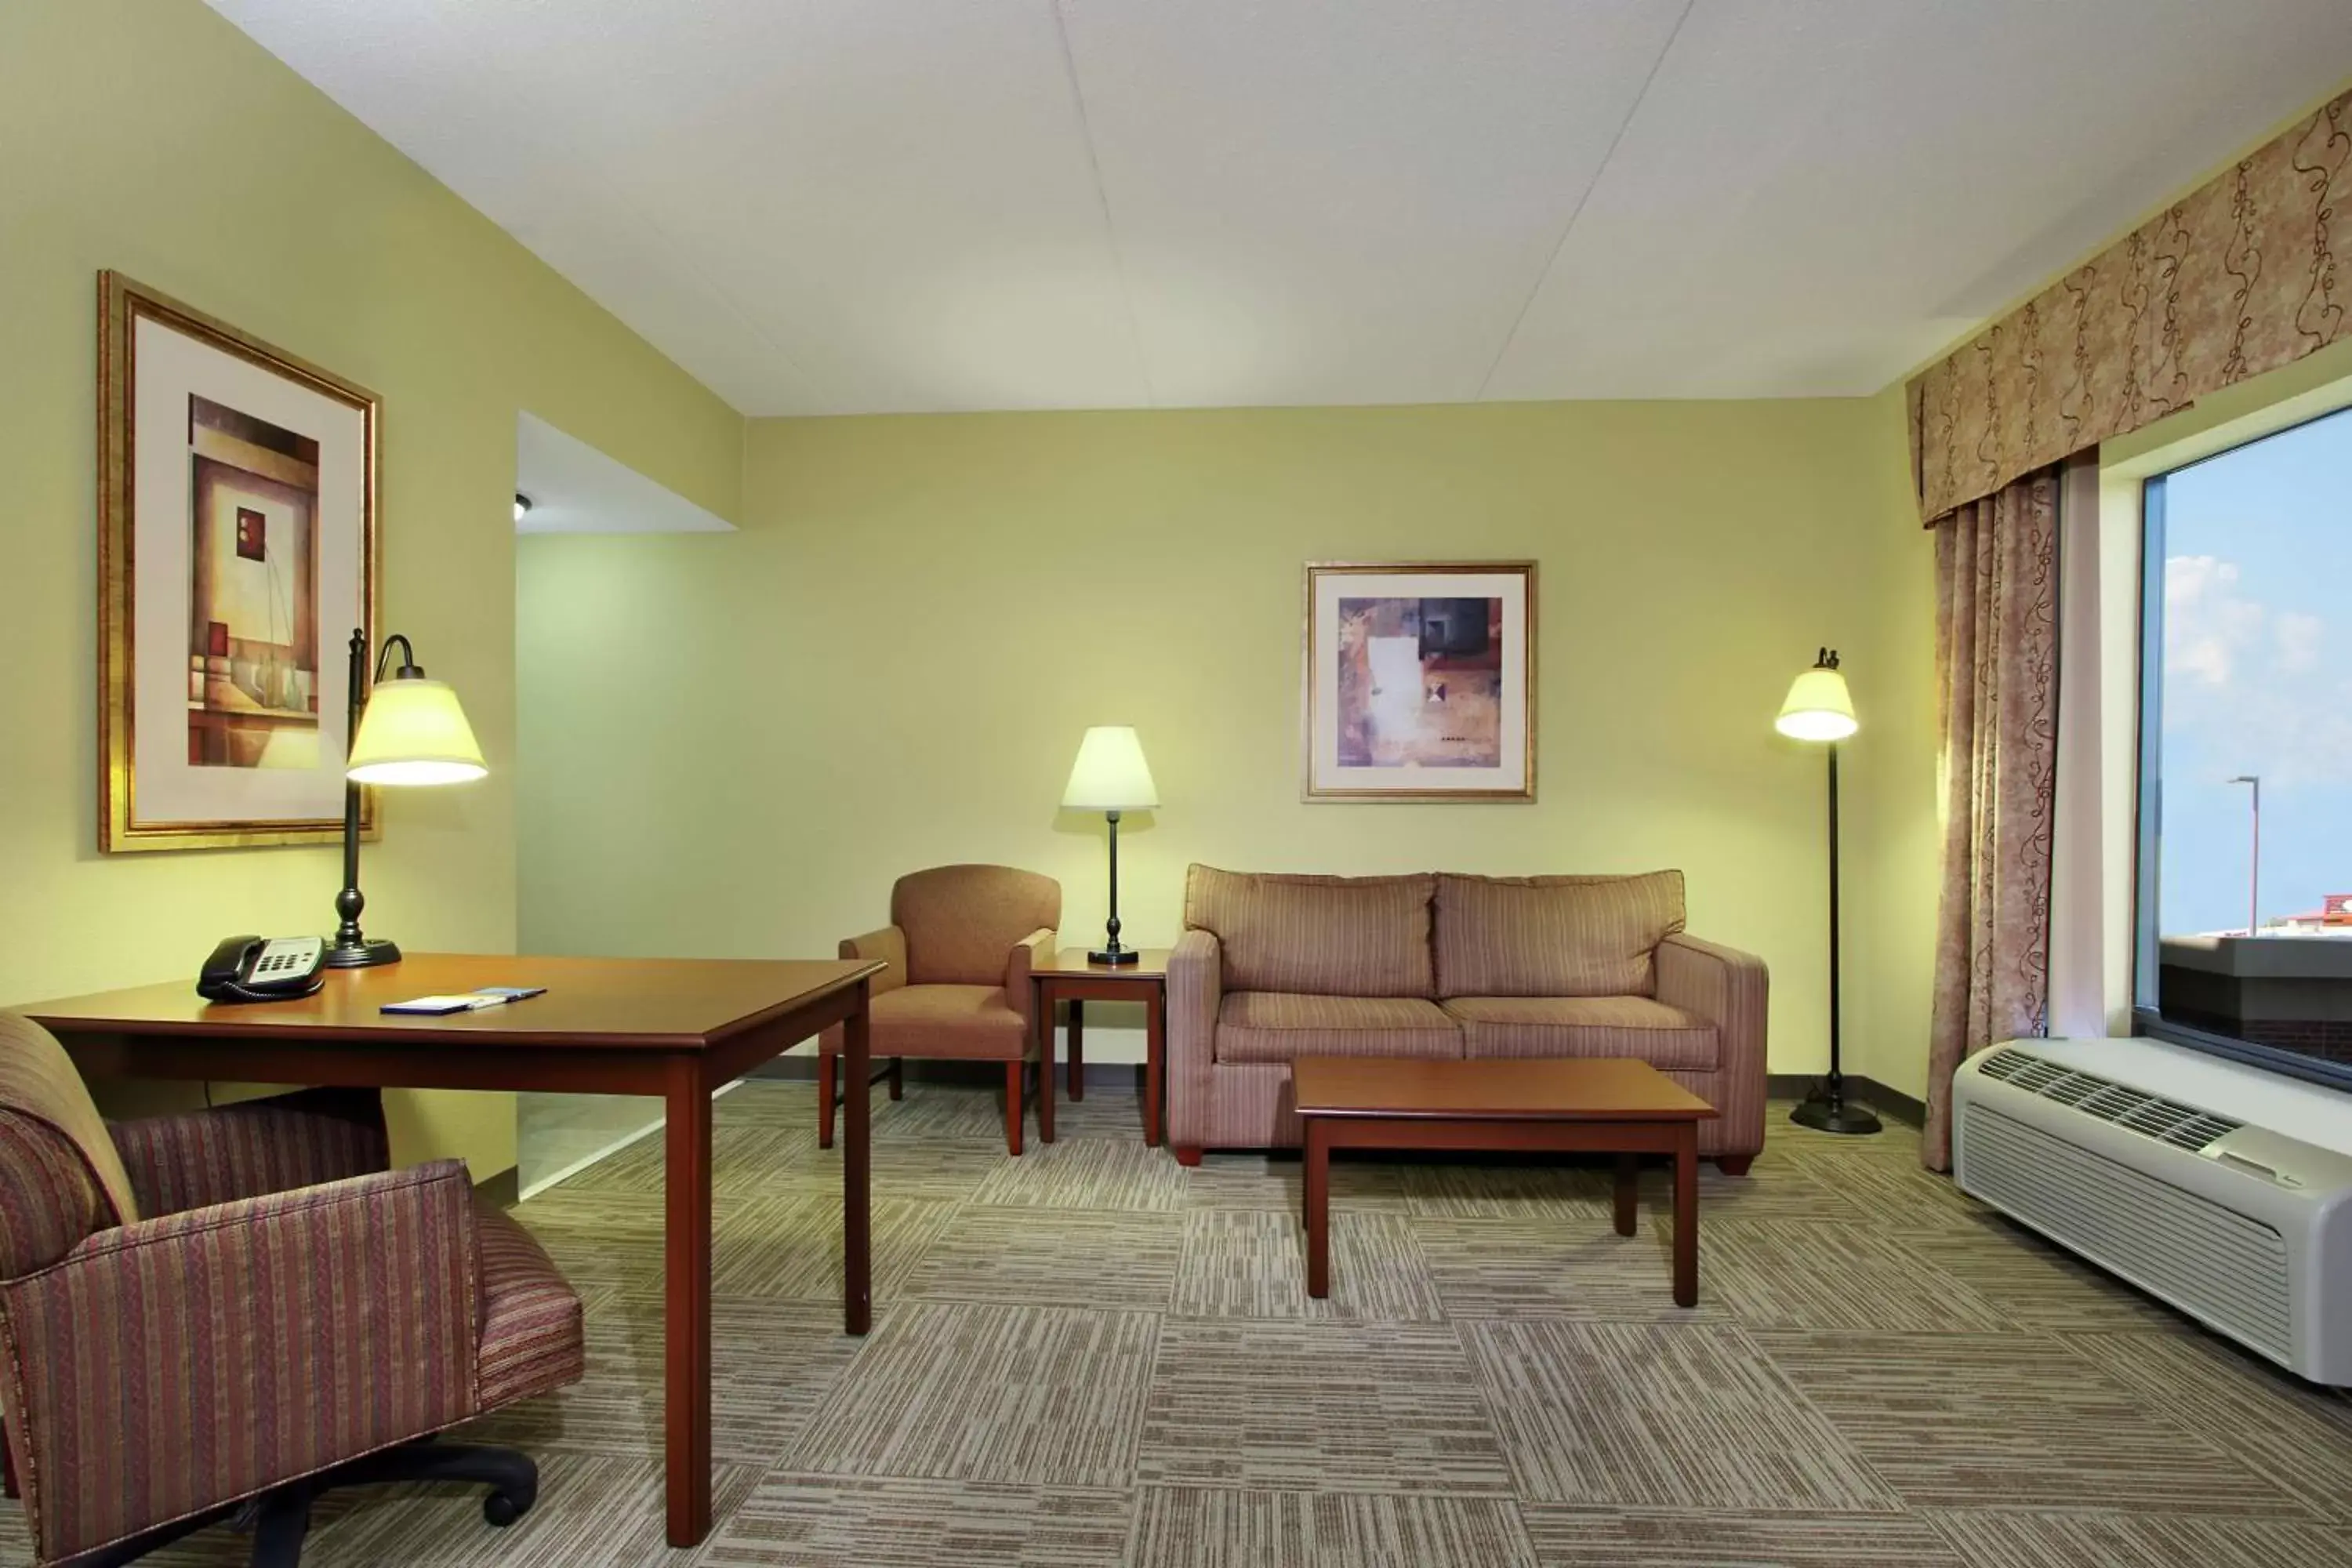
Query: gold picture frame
pixel 1445 709
pixel 244 737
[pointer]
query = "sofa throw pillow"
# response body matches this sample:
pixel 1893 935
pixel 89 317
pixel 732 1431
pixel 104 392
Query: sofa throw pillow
pixel 1335 936
pixel 1554 936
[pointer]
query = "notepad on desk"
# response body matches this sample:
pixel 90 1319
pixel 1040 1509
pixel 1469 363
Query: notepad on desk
pixel 464 1002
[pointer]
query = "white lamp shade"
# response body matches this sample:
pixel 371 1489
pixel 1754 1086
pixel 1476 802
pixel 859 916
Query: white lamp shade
pixel 1817 709
pixel 413 731
pixel 1110 773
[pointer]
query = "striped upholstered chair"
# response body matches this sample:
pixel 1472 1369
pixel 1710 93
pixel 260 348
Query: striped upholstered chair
pixel 240 1305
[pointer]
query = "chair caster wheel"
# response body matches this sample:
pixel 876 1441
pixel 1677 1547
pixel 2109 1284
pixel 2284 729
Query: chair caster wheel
pixel 501 1510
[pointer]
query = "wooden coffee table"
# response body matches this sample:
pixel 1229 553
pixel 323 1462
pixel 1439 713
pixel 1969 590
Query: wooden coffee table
pixel 1628 1108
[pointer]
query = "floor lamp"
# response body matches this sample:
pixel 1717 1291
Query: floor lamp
pixel 1819 709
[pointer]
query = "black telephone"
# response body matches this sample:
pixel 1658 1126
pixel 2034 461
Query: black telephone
pixel 259 969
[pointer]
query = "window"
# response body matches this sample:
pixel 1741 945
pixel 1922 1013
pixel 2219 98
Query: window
pixel 2244 907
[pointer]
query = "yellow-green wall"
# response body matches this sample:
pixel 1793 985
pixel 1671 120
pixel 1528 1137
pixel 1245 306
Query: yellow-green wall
pixel 731 743
pixel 152 137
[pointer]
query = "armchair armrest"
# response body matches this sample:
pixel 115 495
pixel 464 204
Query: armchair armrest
pixel 1195 991
pixel 1022 962
pixel 174 1364
pixel 1728 989
pixel 204 1157
pixel 889 946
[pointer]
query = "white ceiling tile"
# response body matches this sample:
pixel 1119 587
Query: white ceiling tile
pixel 850 206
pixel 1815 194
pixel 1347 201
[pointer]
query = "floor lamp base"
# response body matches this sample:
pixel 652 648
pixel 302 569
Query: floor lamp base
pixel 1827 1112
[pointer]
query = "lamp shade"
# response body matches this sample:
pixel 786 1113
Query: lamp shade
pixel 1819 708
pixel 413 732
pixel 1110 773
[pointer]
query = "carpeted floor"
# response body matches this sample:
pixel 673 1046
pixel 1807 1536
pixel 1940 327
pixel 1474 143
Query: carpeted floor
pixel 1092 1357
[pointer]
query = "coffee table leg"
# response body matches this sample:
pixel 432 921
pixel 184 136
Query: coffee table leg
pixel 1629 1192
pixel 1686 1216
pixel 1319 1209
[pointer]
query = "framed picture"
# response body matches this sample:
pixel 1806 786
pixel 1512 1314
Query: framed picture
pixel 236 552
pixel 1421 681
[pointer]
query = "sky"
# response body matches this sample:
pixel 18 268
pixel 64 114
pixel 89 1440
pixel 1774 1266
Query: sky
pixel 2258 676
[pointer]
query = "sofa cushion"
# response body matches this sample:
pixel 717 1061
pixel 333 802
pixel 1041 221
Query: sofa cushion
pixel 1554 936
pixel 1280 1026
pixel 1338 936
pixel 1663 1037
pixel 942 1022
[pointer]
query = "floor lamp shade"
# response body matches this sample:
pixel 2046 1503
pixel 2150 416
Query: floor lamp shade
pixel 1819 709
pixel 1111 776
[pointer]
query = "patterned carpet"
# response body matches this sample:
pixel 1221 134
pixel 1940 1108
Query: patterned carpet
pixel 1091 1356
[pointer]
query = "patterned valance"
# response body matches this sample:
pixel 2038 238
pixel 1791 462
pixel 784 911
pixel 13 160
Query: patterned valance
pixel 2252 272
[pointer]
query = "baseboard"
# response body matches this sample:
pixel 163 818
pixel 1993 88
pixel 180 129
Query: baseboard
pixel 1891 1103
pixel 503 1190
pixel 1118 1078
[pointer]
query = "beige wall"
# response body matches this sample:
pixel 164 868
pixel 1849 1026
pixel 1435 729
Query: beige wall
pixel 731 743
pixel 152 137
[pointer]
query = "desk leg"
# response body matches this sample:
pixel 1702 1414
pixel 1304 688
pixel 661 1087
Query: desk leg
pixel 856 1176
pixel 1687 1215
pixel 1317 1185
pixel 1077 1047
pixel 686 1423
pixel 1155 1057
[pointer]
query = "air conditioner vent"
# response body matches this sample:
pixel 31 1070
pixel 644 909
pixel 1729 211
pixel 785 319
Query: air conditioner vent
pixel 2166 1122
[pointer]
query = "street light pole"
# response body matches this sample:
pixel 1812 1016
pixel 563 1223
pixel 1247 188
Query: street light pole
pixel 2254 871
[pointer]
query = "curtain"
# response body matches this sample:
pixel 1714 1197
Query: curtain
pixel 1996 679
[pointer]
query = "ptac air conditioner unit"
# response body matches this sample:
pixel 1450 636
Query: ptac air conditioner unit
pixel 2222 1189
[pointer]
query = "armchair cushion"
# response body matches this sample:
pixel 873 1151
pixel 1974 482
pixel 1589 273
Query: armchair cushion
pixel 962 920
pixel 1554 936
pixel 532 1336
pixel 1666 1037
pixel 1336 936
pixel 933 1022
pixel 205 1157
pixel 266 1339
pixel 1281 1026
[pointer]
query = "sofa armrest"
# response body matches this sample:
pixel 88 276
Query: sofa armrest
pixel 1195 990
pixel 1728 989
pixel 888 946
pixel 170 1365
pixel 1019 964
pixel 200 1158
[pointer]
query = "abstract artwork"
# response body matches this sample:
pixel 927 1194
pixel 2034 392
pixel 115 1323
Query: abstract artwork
pixel 238 547
pixel 1420 682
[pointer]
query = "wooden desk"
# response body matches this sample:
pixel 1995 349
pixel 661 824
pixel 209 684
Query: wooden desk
pixel 678 1029
pixel 1068 976
pixel 1616 1106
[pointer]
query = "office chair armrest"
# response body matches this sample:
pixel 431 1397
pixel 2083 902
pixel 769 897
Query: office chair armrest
pixel 199 1158
pixel 171 1366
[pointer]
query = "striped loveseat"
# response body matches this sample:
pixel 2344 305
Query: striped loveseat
pixel 1272 968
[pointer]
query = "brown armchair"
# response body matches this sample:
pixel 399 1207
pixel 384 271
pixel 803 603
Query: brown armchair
pixel 959 947
pixel 239 1304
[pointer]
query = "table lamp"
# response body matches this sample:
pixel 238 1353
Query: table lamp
pixel 1111 776
pixel 407 730
pixel 1819 708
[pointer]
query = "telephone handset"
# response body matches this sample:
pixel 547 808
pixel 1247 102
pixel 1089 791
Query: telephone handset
pixel 259 969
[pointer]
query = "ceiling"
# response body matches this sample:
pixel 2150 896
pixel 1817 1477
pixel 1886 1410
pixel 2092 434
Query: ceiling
pixel 827 207
pixel 572 488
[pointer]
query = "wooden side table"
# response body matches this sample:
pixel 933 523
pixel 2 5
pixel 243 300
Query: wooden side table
pixel 1069 977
